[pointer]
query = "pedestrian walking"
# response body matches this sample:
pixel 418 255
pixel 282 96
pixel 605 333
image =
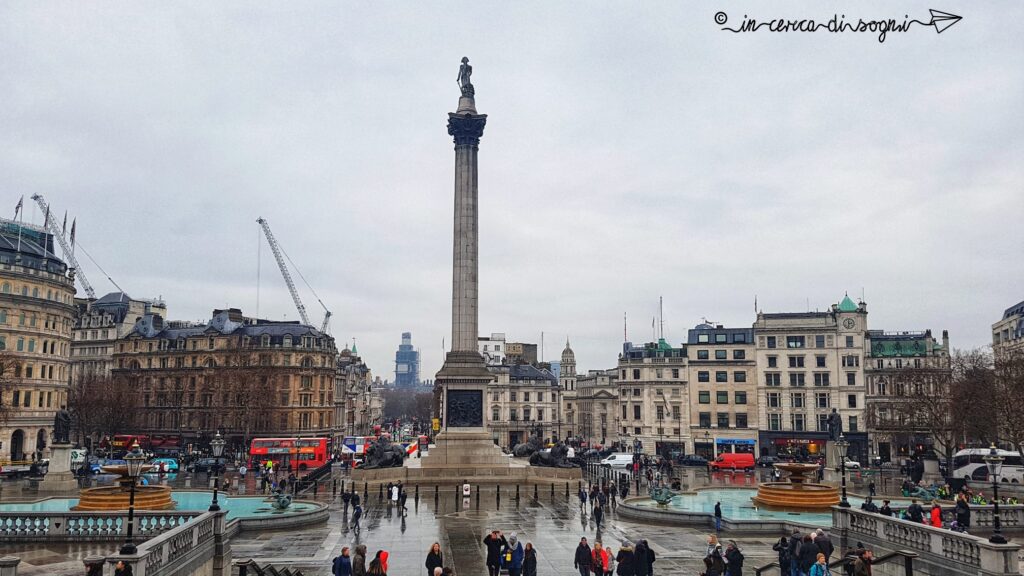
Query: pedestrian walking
pixel 609 569
pixel 824 544
pixel 808 555
pixel 936 515
pixel 714 562
pixel 512 556
pixel 342 564
pixel 494 542
pixel 434 558
pixel 379 565
pixel 795 544
pixel 643 559
pixel 782 547
pixel 583 558
pixel 598 559
pixel 871 488
pixel 583 499
pixel 915 512
pixel 241 472
pixel 820 567
pixel 718 516
pixel 862 566
pixel 733 559
pixel 530 560
pixel 346 497
pixel 598 515
pixel 359 561
pixel 963 513
pixel 357 513
pixel 624 559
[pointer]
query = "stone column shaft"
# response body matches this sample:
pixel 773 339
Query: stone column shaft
pixel 465 270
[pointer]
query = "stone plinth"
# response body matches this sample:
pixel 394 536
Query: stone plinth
pixel 59 477
pixel 464 450
pixel 514 471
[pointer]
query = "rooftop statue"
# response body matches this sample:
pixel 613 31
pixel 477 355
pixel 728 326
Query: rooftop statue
pixel 465 71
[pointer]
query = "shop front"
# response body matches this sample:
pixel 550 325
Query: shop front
pixel 735 445
pixel 801 447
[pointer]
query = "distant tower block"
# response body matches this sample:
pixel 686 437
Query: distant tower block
pixel 407 363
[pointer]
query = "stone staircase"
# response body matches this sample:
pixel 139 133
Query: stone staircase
pixel 251 568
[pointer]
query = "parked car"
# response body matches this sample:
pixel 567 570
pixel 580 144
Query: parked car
pixel 164 465
pixel 206 465
pixel 623 461
pixel 767 461
pixel 693 460
pixel 730 461
pixel 852 464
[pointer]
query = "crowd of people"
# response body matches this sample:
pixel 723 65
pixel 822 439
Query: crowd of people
pixel 810 554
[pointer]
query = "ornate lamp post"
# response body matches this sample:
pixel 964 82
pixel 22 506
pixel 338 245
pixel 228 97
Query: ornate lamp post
pixel 217 447
pixel 134 459
pixel 707 440
pixel 841 446
pixel 995 466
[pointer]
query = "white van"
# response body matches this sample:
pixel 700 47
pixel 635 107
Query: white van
pixel 618 461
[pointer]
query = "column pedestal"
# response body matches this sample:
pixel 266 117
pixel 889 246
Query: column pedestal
pixel 59 478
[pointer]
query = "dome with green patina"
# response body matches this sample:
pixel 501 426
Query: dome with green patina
pixel 847 305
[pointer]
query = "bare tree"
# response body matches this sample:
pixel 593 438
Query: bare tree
pixel 102 405
pixel 1009 394
pixel 250 386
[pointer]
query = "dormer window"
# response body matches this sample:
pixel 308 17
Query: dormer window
pixel 288 341
pixel 265 340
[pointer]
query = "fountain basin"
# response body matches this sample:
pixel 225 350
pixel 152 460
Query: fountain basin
pixel 113 498
pixel 796 493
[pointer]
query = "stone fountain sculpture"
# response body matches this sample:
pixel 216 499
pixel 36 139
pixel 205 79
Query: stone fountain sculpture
pixel 795 492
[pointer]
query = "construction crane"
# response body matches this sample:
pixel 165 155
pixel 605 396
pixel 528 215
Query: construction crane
pixel 279 255
pixel 68 254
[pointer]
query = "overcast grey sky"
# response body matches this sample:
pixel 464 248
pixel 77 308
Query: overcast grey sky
pixel 633 150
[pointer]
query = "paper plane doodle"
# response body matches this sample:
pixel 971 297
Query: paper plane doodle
pixel 942 20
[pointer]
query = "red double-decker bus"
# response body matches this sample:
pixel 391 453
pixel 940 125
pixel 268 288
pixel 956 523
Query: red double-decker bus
pixel 296 454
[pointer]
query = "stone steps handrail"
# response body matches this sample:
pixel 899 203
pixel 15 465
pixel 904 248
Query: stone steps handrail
pixel 179 551
pixel 29 526
pixel 906 555
pixel 963 552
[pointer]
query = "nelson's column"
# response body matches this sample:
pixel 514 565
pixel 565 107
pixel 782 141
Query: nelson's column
pixel 464 441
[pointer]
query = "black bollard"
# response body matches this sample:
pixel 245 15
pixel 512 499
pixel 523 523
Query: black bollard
pixel 435 492
pixel 417 493
pixel 380 492
pixel 366 490
pixel 534 491
pixel 477 497
pixel 517 493
pixel 497 491
pixel 334 490
pixel 567 490
pixel 316 486
pixel 552 491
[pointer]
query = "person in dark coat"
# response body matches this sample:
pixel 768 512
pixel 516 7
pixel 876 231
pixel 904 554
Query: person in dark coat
pixel 718 516
pixel 624 559
pixel 734 559
pixel 530 560
pixel 359 561
pixel 434 559
pixel 782 547
pixel 512 556
pixel 342 565
pixel 824 544
pixel 714 562
pixel 808 555
pixel 963 513
pixel 886 510
pixel 915 513
pixel 494 541
pixel 642 559
pixel 598 514
pixel 583 558
pixel 794 553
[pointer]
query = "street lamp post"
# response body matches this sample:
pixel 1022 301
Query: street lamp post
pixel 217 447
pixel 841 446
pixel 995 466
pixel 707 440
pixel 134 460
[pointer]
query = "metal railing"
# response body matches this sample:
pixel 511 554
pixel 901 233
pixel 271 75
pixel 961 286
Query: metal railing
pixel 907 556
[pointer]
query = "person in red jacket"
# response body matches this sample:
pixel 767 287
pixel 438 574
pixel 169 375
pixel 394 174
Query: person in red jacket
pixel 599 559
pixel 936 516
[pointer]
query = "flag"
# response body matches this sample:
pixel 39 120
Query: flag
pixel 73 222
pixel 18 207
pixel 64 228
pixel 755 303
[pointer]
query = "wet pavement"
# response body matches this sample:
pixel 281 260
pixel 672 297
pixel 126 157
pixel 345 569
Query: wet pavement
pixel 553 524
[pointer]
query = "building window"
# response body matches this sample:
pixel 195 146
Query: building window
pixel 771 342
pixel 623 411
pixel 798 422
pixel 721 354
pixel 773 379
pixel 512 396
pixel 851 400
pixel 741 420
pixel 540 397
pixel 675 412
pixel 675 373
pixel 703 376
pixel 636 412
pixel 849 341
pixel 513 415
pixel 721 397
pixel 540 414
pixel 741 397
pixel 794 341
pixel 739 376
pixel 636 373
pixel 701 338
pixel 704 397
pixel 774 400
pixel 705 419
pixel 28 393
pixel 658 373
pixel 721 376
pixel 819 361
pixel 775 421
pixel 526 413
pixel 853 424
pixel 819 341
pixel 17 393
pixel 821 400
pixel 210 343
pixel 796 361
pixel 773 361
pixel 851 378
pixel 739 338
pixel 661 413
pixel 702 355
pixel 822 422
pixel 851 361
pixel 723 419
pixel 796 379
pixel 739 354
pixel 526 396
pixel 721 338
pixel 821 378
pixel 797 400
pixel 636 391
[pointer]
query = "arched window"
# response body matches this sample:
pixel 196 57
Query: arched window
pixel 6 288
pixel 35 292
pixel 24 290
pixel 210 363
pixel 3 316
pixel 307 362
pixel 265 340
pixel 31 345
pixel 287 341
pixel 135 365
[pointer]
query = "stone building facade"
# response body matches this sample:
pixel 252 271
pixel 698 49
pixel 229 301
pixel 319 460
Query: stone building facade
pixel 357 404
pixel 1008 332
pixel 99 325
pixel 597 395
pixel 521 399
pixel 807 364
pixel 723 391
pixel 895 360
pixel 36 318
pixel 653 389
pixel 569 414
pixel 243 376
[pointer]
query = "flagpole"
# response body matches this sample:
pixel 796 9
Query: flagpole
pixel 17 256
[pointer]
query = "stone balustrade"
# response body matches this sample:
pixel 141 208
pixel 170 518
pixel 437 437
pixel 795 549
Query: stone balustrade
pixel 942 552
pixel 79 526
pixel 191 548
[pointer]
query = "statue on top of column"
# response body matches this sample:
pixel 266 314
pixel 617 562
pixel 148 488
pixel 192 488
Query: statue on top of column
pixel 835 425
pixel 465 71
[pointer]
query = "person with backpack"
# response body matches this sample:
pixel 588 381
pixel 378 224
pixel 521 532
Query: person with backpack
pixel 714 563
pixel 808 555
pixel 346 497
pixel 342 564
pixel 359 561
pixel 963 513
pixel 357 513
pixel 915 513
pixel 795 543
pixel 512 556
pixel 820 567
pixel 733 559
pixel 494 542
